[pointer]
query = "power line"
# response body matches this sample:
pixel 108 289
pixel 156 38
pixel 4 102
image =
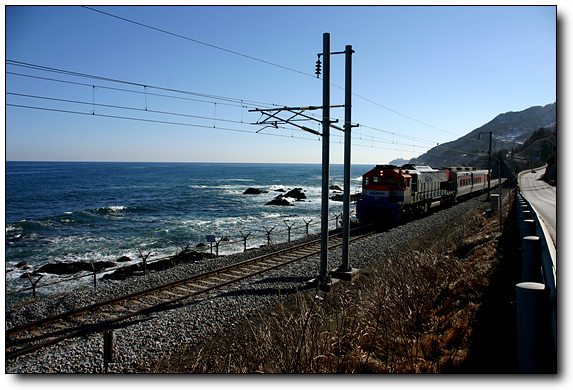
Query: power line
pixel 119 107
pixel 152 120
pixel 263 61
pixel 145 92
pixel 198 41
pixel 212 127
pixel 398 113
pixel 125 90
pixel 226 100
pixel 85 75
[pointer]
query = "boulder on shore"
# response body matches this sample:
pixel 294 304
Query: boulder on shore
pixel 182 257
pixel 73 267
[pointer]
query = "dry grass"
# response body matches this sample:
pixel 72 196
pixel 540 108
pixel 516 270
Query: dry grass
pixel 412 313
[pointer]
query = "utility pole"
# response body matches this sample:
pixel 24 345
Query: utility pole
pixel 324 280
pixel 324 277
pixel 345 266
pixel 345 271
pixel 488 164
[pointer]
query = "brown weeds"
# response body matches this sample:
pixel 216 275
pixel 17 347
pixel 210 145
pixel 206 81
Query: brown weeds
pixel 412 314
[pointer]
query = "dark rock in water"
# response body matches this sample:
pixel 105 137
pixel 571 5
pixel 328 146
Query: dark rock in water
pixel 337 197
pixel 73 267
pixel 280 190
pixel 254 191
pixel 201 245
pixel 296 193
pixel 123 259
pixel 23 265
pixel 335 188
pixel 279 201
pixel 340 197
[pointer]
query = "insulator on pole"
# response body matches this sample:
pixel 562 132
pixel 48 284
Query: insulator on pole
pixel 318 63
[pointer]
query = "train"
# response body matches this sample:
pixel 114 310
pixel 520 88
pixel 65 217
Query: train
pixel 391 193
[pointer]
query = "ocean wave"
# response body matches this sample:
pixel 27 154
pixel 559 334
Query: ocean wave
pixel 198 186
pixel 111 209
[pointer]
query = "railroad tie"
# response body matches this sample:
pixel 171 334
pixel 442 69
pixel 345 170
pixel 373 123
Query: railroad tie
pixel 173 294
pixel 219 279
pixel 196 286
pixel 108 315
pixel 158 299
pixel 185 290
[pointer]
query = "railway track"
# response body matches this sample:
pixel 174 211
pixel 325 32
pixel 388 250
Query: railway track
pixel 30 337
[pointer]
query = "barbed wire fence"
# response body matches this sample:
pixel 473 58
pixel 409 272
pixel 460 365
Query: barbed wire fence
pixel 146 260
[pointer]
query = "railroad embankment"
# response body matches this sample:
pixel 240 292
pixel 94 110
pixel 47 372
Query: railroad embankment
pixel 438 302
pixel 434 295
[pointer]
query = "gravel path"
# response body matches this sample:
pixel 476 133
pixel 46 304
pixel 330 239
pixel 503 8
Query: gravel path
pixel 140 345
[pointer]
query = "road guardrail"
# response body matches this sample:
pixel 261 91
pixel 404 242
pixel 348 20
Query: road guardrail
pixel 537 294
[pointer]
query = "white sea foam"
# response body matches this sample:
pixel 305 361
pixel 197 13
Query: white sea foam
pixel 114 208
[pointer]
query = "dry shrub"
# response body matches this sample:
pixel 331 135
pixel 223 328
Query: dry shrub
pixel 415 316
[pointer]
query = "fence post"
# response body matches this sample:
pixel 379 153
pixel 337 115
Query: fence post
pixel 534 343
pixel 244 239
pixel 107 348
pixel 144 261
pixel 337 216
pixel 217 243
pixel 307 223
pixel 34 284
pixel 289 227
pixel 268 234
pixel 95 274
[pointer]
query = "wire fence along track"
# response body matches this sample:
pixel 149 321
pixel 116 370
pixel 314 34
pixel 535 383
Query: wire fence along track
pixel 146 261
pixel 27 338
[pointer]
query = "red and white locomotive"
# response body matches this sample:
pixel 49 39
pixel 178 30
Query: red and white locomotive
pixel 390 193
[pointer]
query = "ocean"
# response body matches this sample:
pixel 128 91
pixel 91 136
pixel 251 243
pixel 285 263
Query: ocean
pixel 82 211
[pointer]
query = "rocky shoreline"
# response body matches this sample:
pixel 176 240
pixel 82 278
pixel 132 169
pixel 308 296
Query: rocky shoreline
pixel 145 341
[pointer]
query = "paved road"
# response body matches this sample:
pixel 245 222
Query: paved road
pixel 543 197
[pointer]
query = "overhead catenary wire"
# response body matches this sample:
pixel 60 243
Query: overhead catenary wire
pixel 145 91
pixel 130 90
pixel 151 120
pixel 101 78
pixel 97 114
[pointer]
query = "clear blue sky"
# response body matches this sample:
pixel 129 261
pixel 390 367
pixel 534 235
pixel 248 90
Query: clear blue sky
pixel 423 75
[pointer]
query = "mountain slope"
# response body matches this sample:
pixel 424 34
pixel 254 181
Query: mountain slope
pixel 508 130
